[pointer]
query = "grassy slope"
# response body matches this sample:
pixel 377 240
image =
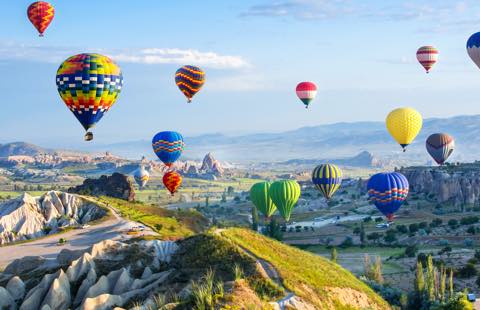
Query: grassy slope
pixel 299 269
pixel 174 224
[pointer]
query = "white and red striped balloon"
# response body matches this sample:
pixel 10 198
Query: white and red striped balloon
pixel 427 56
pixel 306 91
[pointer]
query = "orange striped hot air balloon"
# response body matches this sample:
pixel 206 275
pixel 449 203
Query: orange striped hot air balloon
pixel 40 14
pixel 172 181
pixel 427 56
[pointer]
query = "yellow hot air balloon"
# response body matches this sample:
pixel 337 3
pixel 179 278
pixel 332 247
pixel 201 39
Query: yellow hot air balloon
pixel 404 124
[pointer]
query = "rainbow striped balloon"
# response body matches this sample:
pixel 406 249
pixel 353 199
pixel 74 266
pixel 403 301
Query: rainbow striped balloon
pixel 168 146
pixel 427 56
pixel 388 191
pixel 190 80
pixel 306 91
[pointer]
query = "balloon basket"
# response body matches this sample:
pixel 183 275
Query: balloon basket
pixel 88 136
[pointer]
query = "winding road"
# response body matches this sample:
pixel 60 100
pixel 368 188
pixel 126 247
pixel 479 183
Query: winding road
pixel 115 228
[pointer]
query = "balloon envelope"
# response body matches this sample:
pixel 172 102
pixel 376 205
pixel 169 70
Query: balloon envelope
pixel 40 14
pixel 260 198
pixel 172 181
pixel 141 176
pixel 473 48
pixel 327 179
pixel 168 146
pixel 284 195
pixel 404 124
pixel 427 56
pixel 189 80
pixel 388 191
pixel 89 84
pixel 306 92
pixel 440 146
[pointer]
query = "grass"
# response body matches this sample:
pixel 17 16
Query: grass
pixel 167 223
pixel 305 274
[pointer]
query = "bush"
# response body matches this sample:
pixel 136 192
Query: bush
pixel 469 220
pixel 413 228
pixel 411 250
pixel 348 242
pixel 446 249
pixel 423 225
pixel 158 227
pixel 471 230
pixel 378 220
pixel 367 219
pixel 390 236
pixel 402 229
pixel 467 271
pixel 453 223
pixel 436 222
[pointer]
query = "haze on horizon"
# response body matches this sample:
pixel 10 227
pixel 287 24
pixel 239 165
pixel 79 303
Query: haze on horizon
pixel 253 63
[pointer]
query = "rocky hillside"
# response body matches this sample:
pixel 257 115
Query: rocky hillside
pixel 28 217
pixel 117 185
pixel 206 271
pixel 21 148
pixel 456 184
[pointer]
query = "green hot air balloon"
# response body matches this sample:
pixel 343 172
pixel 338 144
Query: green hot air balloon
pixel 284 195
pixel 261 200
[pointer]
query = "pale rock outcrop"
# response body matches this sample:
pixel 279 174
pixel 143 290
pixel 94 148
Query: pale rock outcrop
pixel 99 250
pixel 35 296
pixel 147 272
pixel 28 217
pixel 163 249
pixel 80 267
pixel 88 282
pixel 123 283
pixel 6 300
pixel 24 264
pixel 16 288
pixel 66 256
pixel 102 302
pixel 58 297
pixel 101 287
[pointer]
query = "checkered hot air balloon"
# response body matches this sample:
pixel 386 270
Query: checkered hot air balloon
pixel 427 56
pixel 172 181
pixel 89 84
pixel 306 91
pixel 388 191
pixel 168 146
pixel 40 14
pixel 190 80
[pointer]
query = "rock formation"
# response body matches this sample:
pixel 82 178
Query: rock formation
pixel 455 184
pixel 211 165
pixel 28 217
pixel 80 287
pixel 117 185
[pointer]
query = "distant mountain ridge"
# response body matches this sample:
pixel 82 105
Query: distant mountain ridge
pixel 22 148
pixel 335 141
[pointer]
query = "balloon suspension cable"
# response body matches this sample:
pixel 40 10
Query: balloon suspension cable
pixel 88 136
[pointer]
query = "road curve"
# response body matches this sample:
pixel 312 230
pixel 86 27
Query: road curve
pixel 114 228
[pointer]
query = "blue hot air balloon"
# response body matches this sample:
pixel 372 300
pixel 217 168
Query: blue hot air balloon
pixel 168 146
pixel 388 191
pixel 473 48
pixel 327 179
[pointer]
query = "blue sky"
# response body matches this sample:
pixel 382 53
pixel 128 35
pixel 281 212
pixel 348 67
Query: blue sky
pixel 361 55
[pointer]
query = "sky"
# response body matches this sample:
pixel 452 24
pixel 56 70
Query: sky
pixel 361 55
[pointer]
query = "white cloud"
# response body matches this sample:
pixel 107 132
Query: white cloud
pixel 179 56
pixel 149 56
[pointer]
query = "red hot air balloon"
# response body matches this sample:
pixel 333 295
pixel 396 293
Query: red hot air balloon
pixel 427 56
pixel 172 181
pixel 306 91
pixel 40 14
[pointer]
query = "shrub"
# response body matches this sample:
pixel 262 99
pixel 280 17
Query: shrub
pixel 436 222
pixel 471 230
pixel 453 223
pixel 402 229
pixel 411 250
pixel 158 227
pixel 378 220
pixel 467 271
pixel 347 242
pixel 413 228
pixel 446 249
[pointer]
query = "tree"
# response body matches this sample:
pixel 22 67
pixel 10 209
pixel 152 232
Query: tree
pixel 436 222
pixel 471 230
pixel 411 250
pixel 458 301
pixel 390 236
pixel 333 255
pixel 224 197
pixel 206 202
pixel 230 190
pixel 419 279
pixel 348 242
pixel 430 279
pixel 362 234
pixel 402 229
pixel 254 219
pixel 273 230
pixel 453 223
pixel 467 271
pixel 413 228
pixel 374 236
pixel 377 270
pixel 450 283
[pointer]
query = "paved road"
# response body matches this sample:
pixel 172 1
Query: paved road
pixel 114 228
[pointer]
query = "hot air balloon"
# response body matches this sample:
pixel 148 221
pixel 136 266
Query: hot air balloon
pixel 404 124
pixel 440 146
pixel 40 14
pixel 388 191
pixel 89 84
pixel 327 179
pixel 172 181
pixel 306 91
pixel 260 198
pixel 168 146
pixel 473 48
pixel 284 195
pixel 190 80
pixel 141 176
pixel 427 56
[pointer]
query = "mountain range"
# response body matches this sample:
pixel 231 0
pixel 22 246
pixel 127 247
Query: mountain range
pixel 339 140
pixel 323 142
